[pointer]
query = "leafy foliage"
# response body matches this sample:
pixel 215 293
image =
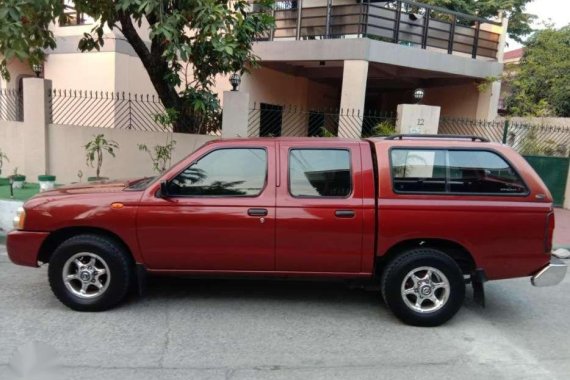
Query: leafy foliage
pixel 94 151
pixel 160 155
pixel 384 128
pixel 519 21
pixel 541 84
pixel 201 37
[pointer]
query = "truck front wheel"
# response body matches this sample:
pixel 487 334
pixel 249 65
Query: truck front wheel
pixel 90 273
pixel 423 287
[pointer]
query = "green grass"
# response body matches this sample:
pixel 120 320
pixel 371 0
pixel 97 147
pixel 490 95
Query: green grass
pixel 28 191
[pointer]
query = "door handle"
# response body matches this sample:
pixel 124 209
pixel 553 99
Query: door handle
pixel 344 213
pixel 257 212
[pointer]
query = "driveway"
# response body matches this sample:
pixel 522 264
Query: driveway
pixel 215 329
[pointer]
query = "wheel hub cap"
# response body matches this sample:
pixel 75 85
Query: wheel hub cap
pixel 425 289
pixel 86 275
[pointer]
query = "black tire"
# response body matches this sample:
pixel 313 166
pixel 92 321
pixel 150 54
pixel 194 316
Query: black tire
pixel 397 271
pixel 114 256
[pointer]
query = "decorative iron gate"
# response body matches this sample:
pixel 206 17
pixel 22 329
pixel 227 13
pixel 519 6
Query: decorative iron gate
pixel 553 171
pixel 545 147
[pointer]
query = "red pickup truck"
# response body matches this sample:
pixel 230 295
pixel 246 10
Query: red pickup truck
pixel 420 216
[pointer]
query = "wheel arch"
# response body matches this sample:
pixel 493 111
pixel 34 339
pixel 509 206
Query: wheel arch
pixel 56 238
pixel 453 249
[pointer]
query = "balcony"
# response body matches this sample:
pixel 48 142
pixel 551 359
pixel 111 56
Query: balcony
pixel 400 22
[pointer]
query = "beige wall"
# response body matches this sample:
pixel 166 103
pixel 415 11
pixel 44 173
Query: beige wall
pixel 11 143
pixel 66 155
pixel 550 121
pixel 456 101
pixel 81 71
pixel 103 71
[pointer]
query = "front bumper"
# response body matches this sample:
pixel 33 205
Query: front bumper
pixel 24 247
pixel 552 274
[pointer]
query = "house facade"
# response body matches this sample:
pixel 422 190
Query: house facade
pixel 339 54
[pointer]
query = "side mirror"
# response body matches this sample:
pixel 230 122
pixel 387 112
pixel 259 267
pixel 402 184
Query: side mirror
pixel 164 189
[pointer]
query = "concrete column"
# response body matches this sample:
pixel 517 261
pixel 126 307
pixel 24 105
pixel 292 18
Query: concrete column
pixel 235 115
pixel 36 120
pixel 503 37
pixel 488 103
pixel 417 119
pixel 353 95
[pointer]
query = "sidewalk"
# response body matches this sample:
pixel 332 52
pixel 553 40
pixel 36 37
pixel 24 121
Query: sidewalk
pixel 562 230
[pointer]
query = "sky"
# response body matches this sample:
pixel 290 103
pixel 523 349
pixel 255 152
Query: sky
pixel 556 10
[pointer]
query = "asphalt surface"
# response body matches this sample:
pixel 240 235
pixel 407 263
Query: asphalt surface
pixel 216 329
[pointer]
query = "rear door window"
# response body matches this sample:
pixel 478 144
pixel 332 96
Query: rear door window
pixel 319 173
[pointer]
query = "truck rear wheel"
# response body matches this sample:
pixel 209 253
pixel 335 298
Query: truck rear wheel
pixel 423 287
pixel 90 273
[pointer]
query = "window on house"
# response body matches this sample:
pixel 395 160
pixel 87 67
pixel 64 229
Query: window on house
pixel 453 171
pixel 223 172
pixel 319 173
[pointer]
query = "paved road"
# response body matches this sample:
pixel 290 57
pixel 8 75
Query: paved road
pixel 189 329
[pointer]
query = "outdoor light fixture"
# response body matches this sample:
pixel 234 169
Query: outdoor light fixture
pixel 419 94
pixel 414 16
pixel 235 80
pixel 37 68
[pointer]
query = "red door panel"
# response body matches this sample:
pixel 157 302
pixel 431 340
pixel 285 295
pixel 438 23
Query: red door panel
pixel 318 234
pixel 211 233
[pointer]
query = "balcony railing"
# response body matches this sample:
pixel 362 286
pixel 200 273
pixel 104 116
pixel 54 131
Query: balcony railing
pixel 403 22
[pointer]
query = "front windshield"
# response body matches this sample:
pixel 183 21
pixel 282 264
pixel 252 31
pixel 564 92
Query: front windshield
pixel 141 184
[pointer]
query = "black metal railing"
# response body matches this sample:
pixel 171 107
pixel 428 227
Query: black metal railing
pixel 11 105
pixel 273 121
pixel 72 17
pixel 106 110
pixel 526 138
pixel 403 22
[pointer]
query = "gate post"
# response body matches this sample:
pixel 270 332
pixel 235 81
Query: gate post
pixel 235 114
pixel 506 131
pixel 36 119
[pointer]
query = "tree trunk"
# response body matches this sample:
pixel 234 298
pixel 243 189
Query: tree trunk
pixel 157 70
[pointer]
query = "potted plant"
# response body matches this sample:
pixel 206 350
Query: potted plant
pixel 3 157
pixel 17 179
pixel 46 181
pixel 94 150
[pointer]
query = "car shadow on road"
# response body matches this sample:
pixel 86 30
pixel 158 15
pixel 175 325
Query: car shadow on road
pixel 329 292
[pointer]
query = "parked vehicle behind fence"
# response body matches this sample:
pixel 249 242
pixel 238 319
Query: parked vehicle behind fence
pixel 420 216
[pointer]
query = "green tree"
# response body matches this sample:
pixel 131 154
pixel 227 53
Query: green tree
pixel 205 37
pixel 540 85
pixel 519 21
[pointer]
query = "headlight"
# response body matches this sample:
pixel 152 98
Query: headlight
pixel 20 219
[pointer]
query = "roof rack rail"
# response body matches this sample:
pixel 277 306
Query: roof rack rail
pixel 420 136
